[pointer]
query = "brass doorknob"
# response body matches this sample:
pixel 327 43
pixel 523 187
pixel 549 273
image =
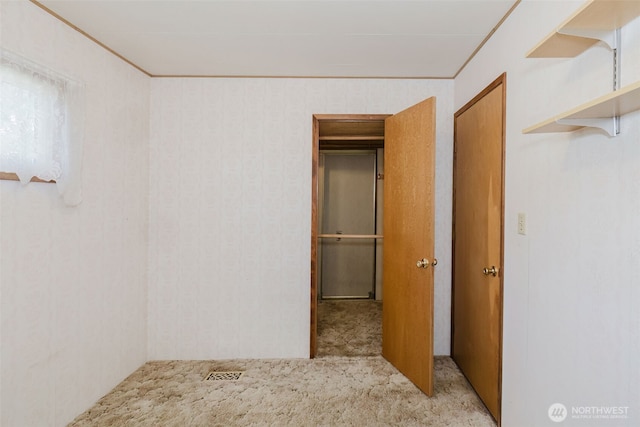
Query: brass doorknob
pixel 493 271
pixel 424 263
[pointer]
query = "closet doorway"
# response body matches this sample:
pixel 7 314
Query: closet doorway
pixel 409 223
pixel 409 260
pixel 347 170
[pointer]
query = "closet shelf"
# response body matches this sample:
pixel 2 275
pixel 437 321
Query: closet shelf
pixel 598 113
pixel 351 138
pixel 596 21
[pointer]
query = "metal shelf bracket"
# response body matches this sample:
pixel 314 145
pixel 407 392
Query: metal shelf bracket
pixel 606 36
pixel 606 124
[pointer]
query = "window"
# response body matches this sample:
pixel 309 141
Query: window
pixel 40 125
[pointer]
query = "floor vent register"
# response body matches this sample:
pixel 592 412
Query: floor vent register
pixel 224 376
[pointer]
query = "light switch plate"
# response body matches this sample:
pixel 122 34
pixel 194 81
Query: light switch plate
pixel 522 223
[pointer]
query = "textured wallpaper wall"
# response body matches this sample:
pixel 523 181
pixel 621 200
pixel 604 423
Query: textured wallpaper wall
pixel 73 279
pixel 572 284
pixel 230 209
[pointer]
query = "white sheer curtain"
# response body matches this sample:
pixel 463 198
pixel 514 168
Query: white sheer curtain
pixel 41 125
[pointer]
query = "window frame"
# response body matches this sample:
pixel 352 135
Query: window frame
pixel 59 83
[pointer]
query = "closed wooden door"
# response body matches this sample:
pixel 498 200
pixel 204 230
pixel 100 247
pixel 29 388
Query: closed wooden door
pixel 407 309
pixel 477 243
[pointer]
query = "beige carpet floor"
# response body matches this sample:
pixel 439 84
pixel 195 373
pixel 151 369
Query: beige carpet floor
pixel 331 390
pixel 349 328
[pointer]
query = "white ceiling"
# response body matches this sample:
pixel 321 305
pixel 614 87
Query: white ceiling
pixel 307 38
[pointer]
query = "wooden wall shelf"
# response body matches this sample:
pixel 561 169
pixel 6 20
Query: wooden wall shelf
pixel 597 20
pixel 597 113
pixel 593 22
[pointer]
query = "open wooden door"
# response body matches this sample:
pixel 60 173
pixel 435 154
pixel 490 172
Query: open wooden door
pixel 408 259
